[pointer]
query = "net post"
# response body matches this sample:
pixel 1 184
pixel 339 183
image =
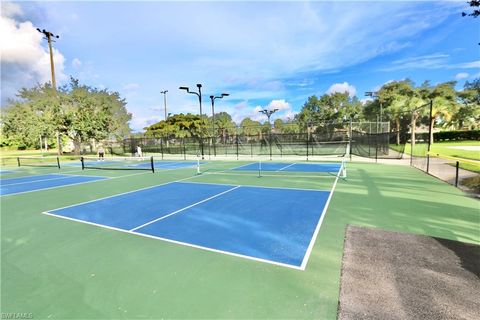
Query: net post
pixel 18 161
pixel 152 165
pixel 58 163
pixel 83 164
pixel 259 168
pixel 457 165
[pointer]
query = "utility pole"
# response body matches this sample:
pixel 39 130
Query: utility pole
pixel 48 36
pixel 165 102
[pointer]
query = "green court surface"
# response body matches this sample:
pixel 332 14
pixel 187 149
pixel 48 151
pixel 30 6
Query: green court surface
pixel 59 269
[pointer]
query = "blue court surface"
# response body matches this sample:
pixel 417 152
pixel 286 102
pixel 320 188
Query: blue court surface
pixel 292 167
pixel 268 224
pixel 165 165
pixel 6 171
pixel 40 182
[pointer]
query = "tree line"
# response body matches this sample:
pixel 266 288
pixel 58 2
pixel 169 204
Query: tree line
pixel 401 103
pixel 82 114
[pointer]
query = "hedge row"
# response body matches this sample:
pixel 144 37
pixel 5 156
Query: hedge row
pixel 456 135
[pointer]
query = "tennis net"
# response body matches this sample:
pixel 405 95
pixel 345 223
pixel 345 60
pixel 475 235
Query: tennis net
pixel 118 163
pixel 38 162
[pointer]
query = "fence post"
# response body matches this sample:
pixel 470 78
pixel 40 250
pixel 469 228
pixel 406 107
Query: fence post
pixel 236 143
pixel 351 139
pixel 411 148
pixel 184 150
pixel 430 126
pixel 456 173
pixel 428 162
pixel 161 146
pixel 307 146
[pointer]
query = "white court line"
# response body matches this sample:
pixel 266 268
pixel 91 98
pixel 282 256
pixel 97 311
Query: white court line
pixel 72 184
pixel 123 193
pixel 286 167
pixel 185 208
pixel 178 242
pixel 66 176
pixel 243 165
pixel 319 224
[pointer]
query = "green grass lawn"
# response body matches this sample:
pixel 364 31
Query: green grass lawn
pixel 60 269
pixel 442 148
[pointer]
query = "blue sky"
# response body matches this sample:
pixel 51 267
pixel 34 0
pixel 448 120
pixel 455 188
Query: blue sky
pixel 264 54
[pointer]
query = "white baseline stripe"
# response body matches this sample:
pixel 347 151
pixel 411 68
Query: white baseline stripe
pixel 71 184
pixel 319 224
pixel 243 165
pixel 178 242
pixel 286 167
pixel 127 192
pixel 33 181
pixel 187 207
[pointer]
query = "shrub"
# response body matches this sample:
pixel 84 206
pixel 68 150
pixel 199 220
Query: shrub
pixel 456 135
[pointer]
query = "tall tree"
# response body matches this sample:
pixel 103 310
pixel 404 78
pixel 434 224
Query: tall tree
pixel 468 115
pixel 444 101
pixel 77 111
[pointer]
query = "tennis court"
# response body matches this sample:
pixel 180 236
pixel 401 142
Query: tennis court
pixel 204 239
pixel 272 225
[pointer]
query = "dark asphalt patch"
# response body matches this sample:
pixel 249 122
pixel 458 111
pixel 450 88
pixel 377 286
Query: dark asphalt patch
pixel 392 275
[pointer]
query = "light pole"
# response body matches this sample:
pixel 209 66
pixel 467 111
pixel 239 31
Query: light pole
pixel 213 118
pixel 199 95
pixel 269 113
pixel 165 102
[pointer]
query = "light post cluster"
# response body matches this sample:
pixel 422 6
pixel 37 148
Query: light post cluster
pixel 269 113
pixel 212 98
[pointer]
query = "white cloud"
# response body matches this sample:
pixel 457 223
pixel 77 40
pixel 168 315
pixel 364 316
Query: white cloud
pixel 25 62
pixel 131 86
pixel 10 9
pixel 278 104
pixel 76 63
pixel 461 75
pixel 342 88
pixel 139 122
pixel 469 65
